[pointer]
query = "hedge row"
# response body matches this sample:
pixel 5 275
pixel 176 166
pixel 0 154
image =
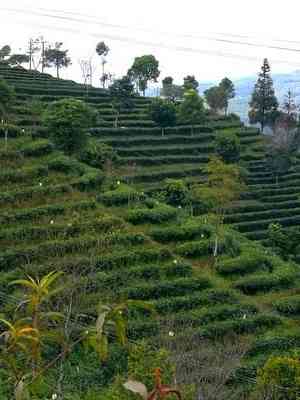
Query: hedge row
pixel 129 132
pixel 86 182
pixel 261 215
pixel 248 208
pixel 165 174
pixel 164 150
pixel 189 301
pixel 51 210
pixel 289 305
pixel 58 91
pixel 19 256
pixel 265 282
pixel 136 141
pixel 120 278
pixel 157 215
pixel 189 231
pixel 23 175
pixel 246 263
pixel 121 196
pixel 119 259
pixel 274 344
pixel 263 224
pixel 248 325
pixel 178 287
pixel 102 224
pixel 164 160
pixel 37 148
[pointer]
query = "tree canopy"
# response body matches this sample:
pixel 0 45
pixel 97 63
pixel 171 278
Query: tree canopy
pixel 190 82
pixel 163 112
pixel 191 110
pixel 263 104
pixel 67 120
pixel 56 57
pixel 143 70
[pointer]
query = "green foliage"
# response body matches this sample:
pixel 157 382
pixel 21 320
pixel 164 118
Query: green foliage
pixel 6 97
pixel 67 120
pixel 215 98
pixel 176 192
pixel 190 82
pixel 228 146
pixel 97 154
pixel 263 104
pixel 191 110
pixel 170 91
pixel 250 261
pixel 288 306
pixel 122 195
pixel 56 57
pixel 279 378
pixel 143 70
pixel 162 112
pixel 157 215
pixel 188 231
pixel 265 282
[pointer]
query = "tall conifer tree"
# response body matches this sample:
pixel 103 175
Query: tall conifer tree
pixel 263 104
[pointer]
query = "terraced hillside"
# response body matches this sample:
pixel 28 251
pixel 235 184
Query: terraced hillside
pixel 58 213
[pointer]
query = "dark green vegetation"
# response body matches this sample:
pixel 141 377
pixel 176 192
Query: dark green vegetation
pixel 111 233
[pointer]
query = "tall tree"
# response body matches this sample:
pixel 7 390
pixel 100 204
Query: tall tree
pixel 4 53
pixel 191 110
pixel 170 91
pixel 102 50
pixel 215 97
pixel 163 112
pixel 263 104
pixel 143 70
pixel 190 82
pixel 229 92
pixel 18 59
pixel 56 57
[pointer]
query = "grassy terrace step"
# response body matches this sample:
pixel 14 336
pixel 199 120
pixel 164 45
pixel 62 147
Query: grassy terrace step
pixel 176 287
pixel 165 150
pixel 165 160
pixel 13 258
pixel 245 207
pixel 262 215
pixel 35 213
pixel 246 227
pixel 133 132
pixel 153 140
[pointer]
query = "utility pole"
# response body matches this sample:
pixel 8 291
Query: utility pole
pixel 30 53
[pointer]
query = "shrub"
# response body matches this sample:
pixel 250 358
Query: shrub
pixel 67 120
pixel 188 231
pixel 12 131
pixel 246 263
pixel 157 215
pixel 289 305
pixel 162 112
pixel 228 146
pixel 176 287
pixel 264 282
pixel 97 154
pixel 176 192
pixel 122 195
pixel 37 148
pixel 250 324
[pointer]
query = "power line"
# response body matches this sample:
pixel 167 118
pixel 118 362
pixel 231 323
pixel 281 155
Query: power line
pixel 151 30
pixel 184 49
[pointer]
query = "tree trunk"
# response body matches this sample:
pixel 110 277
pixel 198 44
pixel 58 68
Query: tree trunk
pixel 216 246
pixel 116 121
pixel 57 71
pixel 162 131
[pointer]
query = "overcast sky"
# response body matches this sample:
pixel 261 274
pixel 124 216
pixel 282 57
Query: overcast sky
pixel 187 37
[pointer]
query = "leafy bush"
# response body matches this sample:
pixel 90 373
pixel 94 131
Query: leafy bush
pixel 37 148
pixel 228 146
pixel 176 192
pixel 246 263
pixel 176 287
pixel 157 215
pixel 250 324
pixel 162 112
pixel 264 282
pixel 189 231
pixel 120 196
pixel 289 305
pixel 67 120
pixel 12 131
pixel 97 154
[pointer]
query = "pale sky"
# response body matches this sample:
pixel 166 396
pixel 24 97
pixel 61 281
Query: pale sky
pixel 181 34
